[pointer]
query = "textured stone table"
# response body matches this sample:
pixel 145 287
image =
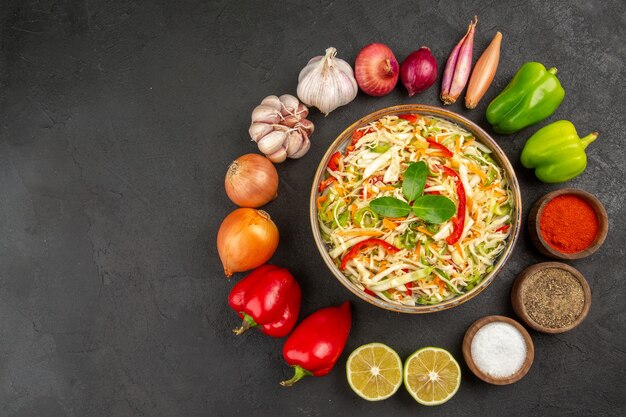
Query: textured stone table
pixel 119 119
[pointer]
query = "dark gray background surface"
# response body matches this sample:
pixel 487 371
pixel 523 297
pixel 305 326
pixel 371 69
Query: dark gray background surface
pixel 118 121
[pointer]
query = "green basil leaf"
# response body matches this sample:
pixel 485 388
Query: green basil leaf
pixel 434 208
pixel 414 180
pixel 390 207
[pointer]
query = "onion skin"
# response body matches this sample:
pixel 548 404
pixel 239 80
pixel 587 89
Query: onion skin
pixel 419 71
pixel 251 181
pixel 484 72
pixel 376 70
pixel 246 239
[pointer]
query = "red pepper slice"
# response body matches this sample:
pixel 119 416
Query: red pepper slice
pixel 363 245
pixel 411 118
pixel 315 345
pixel 324 184
pixel 369 292
pixel 333 163
pixel 439 146
pixel 373 180
pixel 268 298
pixel 503 228
pixel 432 192
pixel 358 134
pixel 458 222
pixel 408 286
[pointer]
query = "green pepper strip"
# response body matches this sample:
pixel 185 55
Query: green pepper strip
pixel 365 217
pixel 381 147
pixel 445 278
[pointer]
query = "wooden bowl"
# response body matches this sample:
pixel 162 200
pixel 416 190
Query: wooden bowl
pixel 520 309
pixel 549 251
pixel 467 350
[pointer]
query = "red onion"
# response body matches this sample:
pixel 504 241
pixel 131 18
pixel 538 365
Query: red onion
pixel 418 71
pixel 376 69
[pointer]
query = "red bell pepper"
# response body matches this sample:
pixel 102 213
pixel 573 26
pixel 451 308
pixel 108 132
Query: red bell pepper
pixel 354 250
pixel 324 184
pixel 411 118
pixel 503 228
pixel 369 292
pixel 358 134
pixel 458 222
pixel 333 163
pixel 447 152
pixel 268 297
pixel 315 345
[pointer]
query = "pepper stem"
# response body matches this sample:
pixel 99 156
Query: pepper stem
pixel 300 373
pixel 589 138
pixel 247 324
pixel 552 70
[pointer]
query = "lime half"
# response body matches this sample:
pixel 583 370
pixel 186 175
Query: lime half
pixel 432 376
pixel 374 371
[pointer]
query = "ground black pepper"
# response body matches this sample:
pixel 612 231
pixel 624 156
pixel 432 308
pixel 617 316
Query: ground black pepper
pixel 553 297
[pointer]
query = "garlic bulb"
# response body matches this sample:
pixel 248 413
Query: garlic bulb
pixel 327 82
pixel 280 129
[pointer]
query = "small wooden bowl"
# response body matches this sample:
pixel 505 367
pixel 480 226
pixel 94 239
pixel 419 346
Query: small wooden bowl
pixel 520 309
pixel 535 230
pixel 467 350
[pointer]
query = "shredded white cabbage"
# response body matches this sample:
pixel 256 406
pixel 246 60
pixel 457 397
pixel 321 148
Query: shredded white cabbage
pixel 426 268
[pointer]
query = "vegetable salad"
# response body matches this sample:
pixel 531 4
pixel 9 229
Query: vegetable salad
pixel 409 260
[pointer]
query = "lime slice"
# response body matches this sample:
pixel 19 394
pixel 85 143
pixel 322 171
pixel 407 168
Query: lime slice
pixel 432 376
pixel 374 371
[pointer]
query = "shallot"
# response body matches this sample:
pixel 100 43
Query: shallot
pixel 484 72
pixel 280 128
pixel 458 67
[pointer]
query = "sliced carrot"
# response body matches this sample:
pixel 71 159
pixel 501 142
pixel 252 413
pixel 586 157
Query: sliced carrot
pixel 418 247
pixel 386 188
pixel 388 224
pixel 467 143
pixel 489 187
pixel 352 211
pixel 458 247
pixel 476 170
pixel 426 232
pixel 320 200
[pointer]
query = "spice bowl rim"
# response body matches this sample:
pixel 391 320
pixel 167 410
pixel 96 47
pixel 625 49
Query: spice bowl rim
pixel 516 218
pixel 520 309
pixel 467 350
pixel 534 226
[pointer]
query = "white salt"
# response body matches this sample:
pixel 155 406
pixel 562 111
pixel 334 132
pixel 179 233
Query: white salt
pixel 498 349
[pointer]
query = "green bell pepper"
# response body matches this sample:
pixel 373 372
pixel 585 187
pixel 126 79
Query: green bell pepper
pixel 533 94
pixel 556 152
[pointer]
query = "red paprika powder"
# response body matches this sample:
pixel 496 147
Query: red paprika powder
pixel 568 223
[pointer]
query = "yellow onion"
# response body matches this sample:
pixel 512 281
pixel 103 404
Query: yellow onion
pixel 247 238
pixel 251 181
